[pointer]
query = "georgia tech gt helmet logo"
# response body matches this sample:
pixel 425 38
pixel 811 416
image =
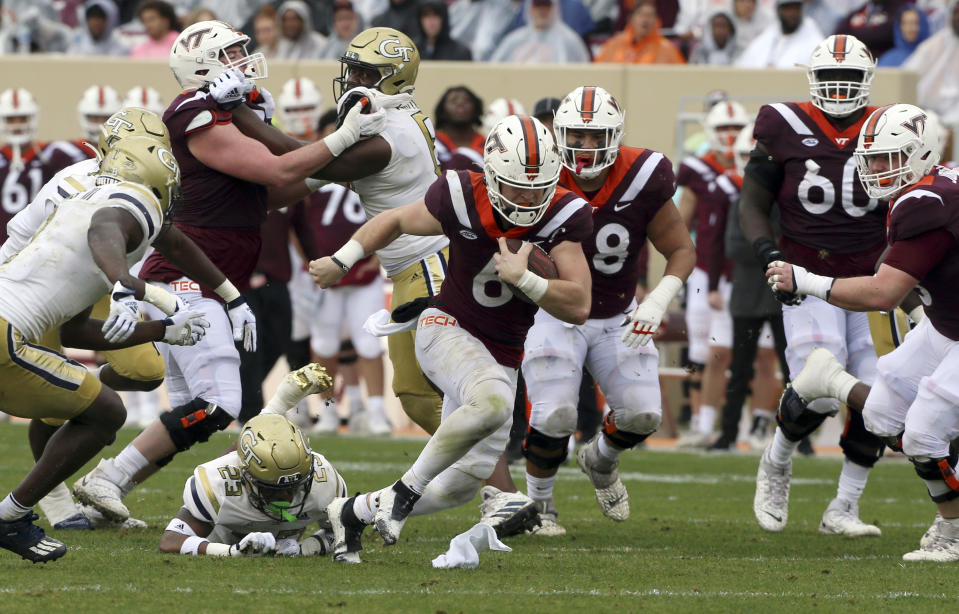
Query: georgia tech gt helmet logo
pixel 169 161
pixel 390 48
pixel 247 441
pixel 117 123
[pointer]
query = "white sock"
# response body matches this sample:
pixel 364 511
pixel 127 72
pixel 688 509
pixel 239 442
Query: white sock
pixel 375 406
pixel 286 396
pixel 607 450
pixel 355 398
pixel 781 450
pixel 121 468
pixel 764 413
pixel 450 489
pixel 416 482
pixel 539 489
pixel 58 505
pixel 365 506
pixel 707 419
pixel 10 508
pixel 852 481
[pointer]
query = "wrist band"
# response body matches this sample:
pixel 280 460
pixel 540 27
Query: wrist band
pixel 532 285
pixel 336 261
pixel 215 549
pixel 160 298
pixel 191 545
pixel 348 255
pixel 227 291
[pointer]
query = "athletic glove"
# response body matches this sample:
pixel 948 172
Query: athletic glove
pixel 185 328
pixel 124 313
pixel 265 106
pixel 643 323
pixel 228 89
pixel 355 124
pixel 767 252
pixel 243 322
pixel 256 544
pixel 288 547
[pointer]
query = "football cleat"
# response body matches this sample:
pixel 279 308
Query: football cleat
pixel 509 513
pixel 693 440
pixel 28 540
pixel 347 530
pixel 77 522
pixel 761 433
pixel 395 506
pixel 771 503
pixel 931 532
pixel 378 425
pixel 547 514
pixel 722 445
pixel 99 521
pixel 611 494
pixel 943 547
pixel 311 379
pixel 842 518
pixel 329 422
pixel 96 490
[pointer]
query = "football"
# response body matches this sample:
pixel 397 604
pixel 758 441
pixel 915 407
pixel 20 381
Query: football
pixel 539 263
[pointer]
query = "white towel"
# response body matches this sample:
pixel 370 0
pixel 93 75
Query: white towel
pixel 465 548
pixel 379 324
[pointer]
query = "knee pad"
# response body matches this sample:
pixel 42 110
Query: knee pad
pixel 622 439
pixel 640 422
pixel 859 445
pixel 939 475
pixel 544 451
pixel 558 422
pixel 347 355
pixel 495 397
pixel 194 423
pixel 794 418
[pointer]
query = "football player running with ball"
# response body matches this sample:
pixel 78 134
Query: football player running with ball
pixel 631 192
pixel 469 338
pixel 831 226
pixel 914 402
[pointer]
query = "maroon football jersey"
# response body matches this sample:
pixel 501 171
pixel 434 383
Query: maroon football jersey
pixel 930 205
pixel 221 213
pixel 716 191
pixel 639 183
pixel 275 254
pixel 829 223
pixel 472 292
pixel 19 186
pixel 325 222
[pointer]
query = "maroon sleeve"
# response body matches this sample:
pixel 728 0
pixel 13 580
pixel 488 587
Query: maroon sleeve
pixel 767 128
pixel 301 227
pixel 662 183
pixel 579 226
pixel 438 201
pixel 920 254
pixel 686 175
pixel 911 217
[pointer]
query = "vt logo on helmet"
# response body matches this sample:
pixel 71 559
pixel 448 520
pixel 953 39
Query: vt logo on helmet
pixel 203 52
pixel 383 59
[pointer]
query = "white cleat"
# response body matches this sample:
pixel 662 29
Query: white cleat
pixel 761 434
pixel 378 426
pixel 359 422
pixel 96 490
pixel 931 532
pixel 99 521
pixel 509 513
pixel 329 422
pixel 547 515
pixel 842 518
pixel 813 381
pixel 311 379
pixel 347 531
pixel 771 503
pixel 611 494
pixel 943 547
pixel 396 504
pixel 693 440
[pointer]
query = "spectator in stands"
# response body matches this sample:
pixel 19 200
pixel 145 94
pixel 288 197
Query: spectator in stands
pixel 545 109
pixel 161 26
pixel 825 13
pixel 200 13
pixel 718 45
pixel 237 13
pixel 433 37
pixel 750 20
pixel 909 31
pixel 298 39
pixel 604 14
pixel 266 32
pixel 402 15
pixel 481 24
pixel 96 36
pixel 458 114
pixel 346 25
pixel 936 60
pixel 785 43
pixel 574 14
pixel 872 23
pixel 545 39
pixel 33 27
pixel 640 42
pixel 691 22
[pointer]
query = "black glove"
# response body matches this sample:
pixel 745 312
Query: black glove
pixel 767 252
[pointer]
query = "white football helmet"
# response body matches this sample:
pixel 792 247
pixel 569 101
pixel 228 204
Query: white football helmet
pixel 97 104
pixel 299 106
pixel 744 145
pixel 520 153
pixel 145 98
pixel 840 75
pixel 898 145
pixel 498 109
pixel 726 114
pixel 18 117
pixel 933 119
pixel 199 55
pixel 589 108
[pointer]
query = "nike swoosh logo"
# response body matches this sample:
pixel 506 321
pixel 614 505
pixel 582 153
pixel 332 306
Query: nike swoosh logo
pixel 776 518
pixel 620 205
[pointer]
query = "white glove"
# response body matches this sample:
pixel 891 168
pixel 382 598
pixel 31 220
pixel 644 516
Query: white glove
pixel 228 89
pixel 257 544
pixel 266 104
pixel 642 324
pixel 288 547
pixel 185 328
pixel 124 313
pixel 243 322
pixel 356 126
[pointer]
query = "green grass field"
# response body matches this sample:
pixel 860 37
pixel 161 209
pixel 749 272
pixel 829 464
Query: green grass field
pixel 690 545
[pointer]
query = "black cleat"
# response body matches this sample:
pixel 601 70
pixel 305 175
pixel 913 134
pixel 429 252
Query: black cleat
pixel 77 522
pixel 29 541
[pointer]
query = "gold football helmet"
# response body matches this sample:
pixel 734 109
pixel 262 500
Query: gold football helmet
pixel 132 121
pixel 389 53
pixel 145 161
pixel 277 465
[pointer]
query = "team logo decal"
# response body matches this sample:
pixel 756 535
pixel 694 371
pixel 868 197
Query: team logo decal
pixel 391 48
pixel 467 234
pixel 194 39
pixel 916 124
pixel 247 442
pixel 810 142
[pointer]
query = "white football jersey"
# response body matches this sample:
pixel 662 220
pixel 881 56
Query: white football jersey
pixel 407 177
pixel 68 182
pixel 54 277
pixel 216 494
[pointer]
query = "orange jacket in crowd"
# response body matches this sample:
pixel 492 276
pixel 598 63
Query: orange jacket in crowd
pixel 654 48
